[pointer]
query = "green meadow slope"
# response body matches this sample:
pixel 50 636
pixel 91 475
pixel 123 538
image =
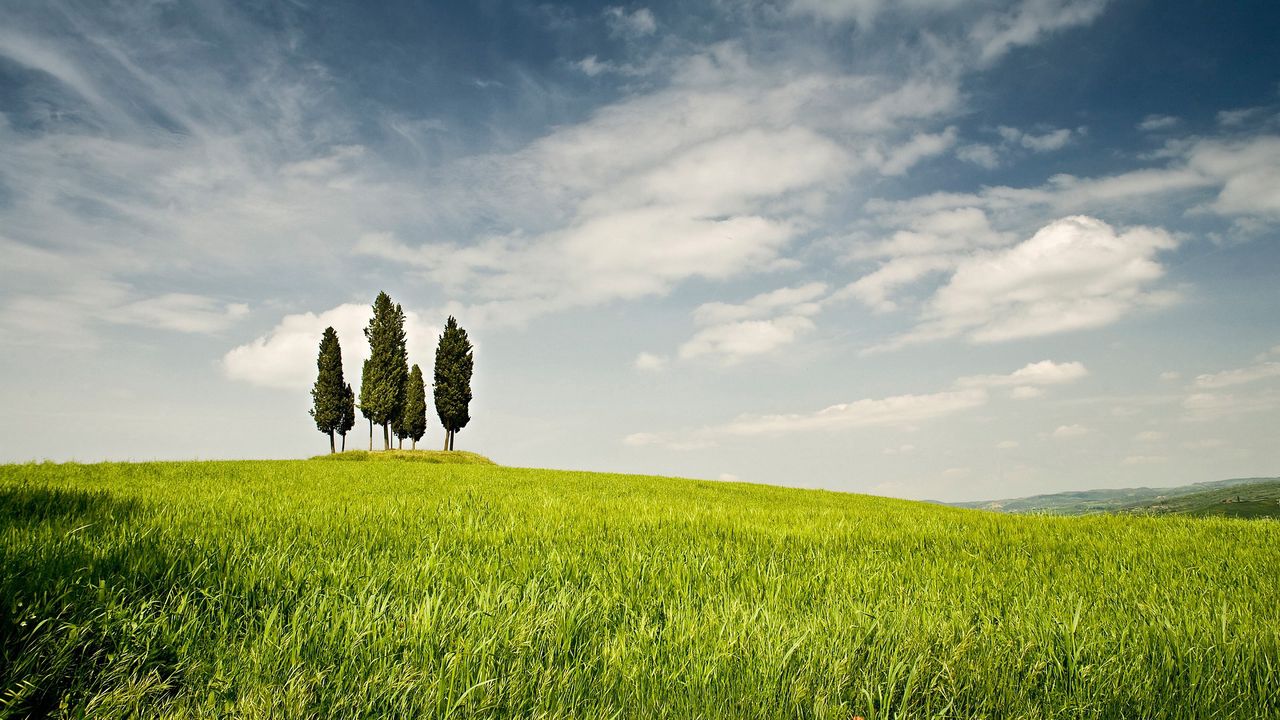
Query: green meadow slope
pixel 421 589
pixel 1083 502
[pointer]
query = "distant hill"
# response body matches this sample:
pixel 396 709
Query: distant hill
pixel 1237 497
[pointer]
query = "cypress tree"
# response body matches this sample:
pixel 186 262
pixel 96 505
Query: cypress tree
pixel 348 414
pixel 414 417
pixel 452 388
pixel 328 395
pixel 366 388
pixel 385 372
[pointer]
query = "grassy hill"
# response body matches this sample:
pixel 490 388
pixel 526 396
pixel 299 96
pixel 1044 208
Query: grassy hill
pixel 1246 500
pixel 1083 502
pixel 419 589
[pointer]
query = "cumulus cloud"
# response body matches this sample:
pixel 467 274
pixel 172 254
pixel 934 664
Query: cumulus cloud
pixel 1075 273
pixel 285 357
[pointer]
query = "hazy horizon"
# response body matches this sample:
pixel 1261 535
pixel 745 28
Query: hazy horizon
pixel 945 249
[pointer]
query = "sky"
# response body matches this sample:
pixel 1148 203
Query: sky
pixel 935 249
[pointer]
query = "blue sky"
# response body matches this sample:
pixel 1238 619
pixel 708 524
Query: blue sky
pixel 946 249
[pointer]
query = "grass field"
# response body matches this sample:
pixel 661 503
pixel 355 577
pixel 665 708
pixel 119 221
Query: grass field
pixel 324 589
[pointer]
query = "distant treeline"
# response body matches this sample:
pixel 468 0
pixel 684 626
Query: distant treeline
pixel 392 394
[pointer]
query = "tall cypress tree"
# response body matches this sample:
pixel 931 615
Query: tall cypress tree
pixel 348 414
pixel 454 363
pixel 366 390
pixel 385 373
pixel 328 395
pixel 414 416
pixel 400 424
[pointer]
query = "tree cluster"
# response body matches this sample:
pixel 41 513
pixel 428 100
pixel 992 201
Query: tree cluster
pixel 393 394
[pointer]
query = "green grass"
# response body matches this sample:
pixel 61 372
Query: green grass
pixel 455 457
pixel 298 589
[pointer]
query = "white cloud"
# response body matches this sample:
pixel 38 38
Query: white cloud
pixel 1153 123
pixel 1240 376
pixel 1170 375
pixel 729 477
pixel 900 450
pixel 1046 142
pixel 1150 436
pixel 738 340
pixel 1074 273
pixel 896 411
pixel 650 362
pixel 1045 372
pixel 638 23
pixel 182 312
pixel 979 154
pixel 957 473
pixel 1234 118
pixel 1029 21
pixel 285 357
pixel 1026 392
pixel 1070 431
pixel 761 325
pixel 919 147
pixel 1006 444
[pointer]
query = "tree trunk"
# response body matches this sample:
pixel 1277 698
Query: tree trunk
pixel 370 434
pixel 451 438
pixel 386 437
pixel 331 448
pixel 344 442
pixel 400 442
pixel 415 445
pixel 446 439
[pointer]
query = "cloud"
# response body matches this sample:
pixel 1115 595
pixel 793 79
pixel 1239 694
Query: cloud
pixel 900 450
pixel 638 23
pixel 896 411
pixel 285 357
pixel 1046 142
pixel 1170 375
pixel 979 154
pixel 1154 123
pixel 1070 431
pixel 900 411
pixel 1045 372
pixel 761 325
pixel 738 340
pixel 1202 406
pixel 181 312
pixel 1240 376
pixel 1029 21
pixel 651 363
pixel 1150 436
pixel 1073 274
pixel 919 147
pixel 1006 444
